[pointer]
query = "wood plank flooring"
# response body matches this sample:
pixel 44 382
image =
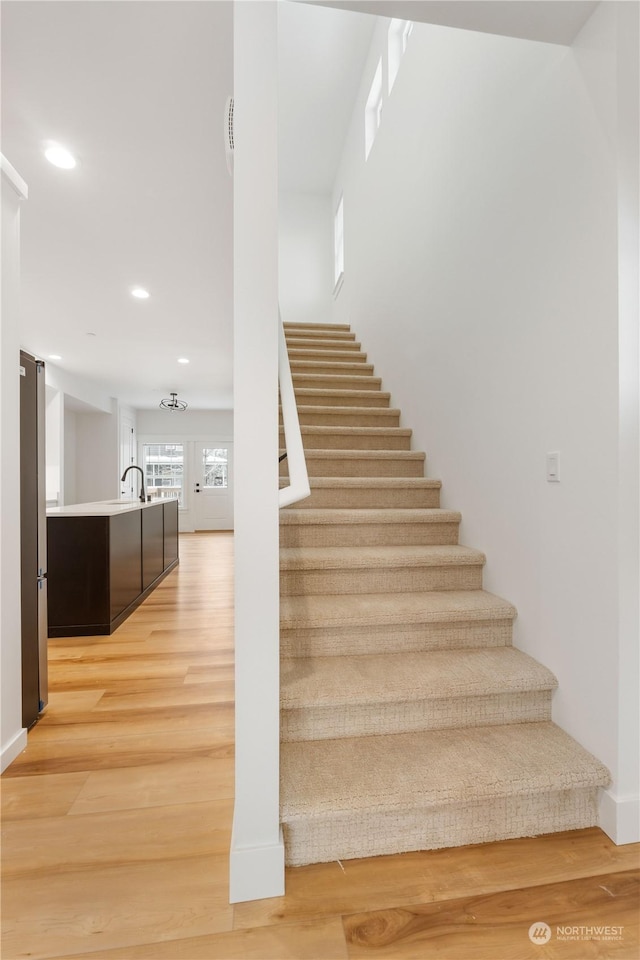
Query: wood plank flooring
pixel 117 823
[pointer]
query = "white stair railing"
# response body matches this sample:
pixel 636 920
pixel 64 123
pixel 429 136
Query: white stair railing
pixel 298 487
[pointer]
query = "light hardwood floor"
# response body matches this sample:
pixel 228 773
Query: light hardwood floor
pixel 117 821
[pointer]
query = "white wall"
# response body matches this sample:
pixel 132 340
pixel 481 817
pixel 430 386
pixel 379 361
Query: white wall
pixel 257 850
pixel 305 261
pixel 13 737
pixel 86 460
pixel 96 475
pixel 191 424
pixel 54 429
pixel 481 274
pixel 85 393
pixel 69 456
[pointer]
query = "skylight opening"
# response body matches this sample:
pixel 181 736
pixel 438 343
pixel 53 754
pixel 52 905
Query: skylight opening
pixel 373 110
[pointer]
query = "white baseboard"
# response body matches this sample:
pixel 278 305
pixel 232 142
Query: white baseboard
pixel 256 873
pixel 11 750
pixel 620 817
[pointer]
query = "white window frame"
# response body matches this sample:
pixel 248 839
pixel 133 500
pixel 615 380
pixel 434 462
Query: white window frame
pixel 398 38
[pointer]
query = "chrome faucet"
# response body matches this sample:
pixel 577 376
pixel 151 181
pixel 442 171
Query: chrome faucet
pixel 134 467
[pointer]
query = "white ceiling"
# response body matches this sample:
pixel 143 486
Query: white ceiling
pixel 137 91
pixel 550 21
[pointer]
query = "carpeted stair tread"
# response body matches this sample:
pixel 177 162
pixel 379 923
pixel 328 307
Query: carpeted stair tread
pixel 370 398
pixel 370 493
pixel 336 558
pixel 336 437
pixel 374 483
pixel 326 431
pixel 400 677
pixel 336 381
pixel 312 353
pixel 326 416
pixel 379 455
pixel 322 333
pixel 362 462
pixel 352 777
pixel 355 517
pixel 374 527
pixel 300 342
pixel 332 366
pixel 375 609
pixel 296 325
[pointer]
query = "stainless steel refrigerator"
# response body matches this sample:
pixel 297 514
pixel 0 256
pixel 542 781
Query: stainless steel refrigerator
pixel 33 544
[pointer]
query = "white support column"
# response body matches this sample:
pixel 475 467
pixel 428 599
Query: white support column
pixel 620 807
pixel 13 736
pixel 257 851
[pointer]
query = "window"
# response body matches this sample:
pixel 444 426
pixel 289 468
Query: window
pixel 373 110
pixel 164 470
pixel 215 468
pixel 338 243
pixel 399 33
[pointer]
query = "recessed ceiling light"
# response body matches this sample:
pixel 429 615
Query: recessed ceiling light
pixel 140 293
pixel 55 356
pixel 60 157
pixel 182 360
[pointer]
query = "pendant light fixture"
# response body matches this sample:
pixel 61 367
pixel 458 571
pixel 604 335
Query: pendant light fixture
pixel 172 403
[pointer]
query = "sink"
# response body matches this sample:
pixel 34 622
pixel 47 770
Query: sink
pixel 123 500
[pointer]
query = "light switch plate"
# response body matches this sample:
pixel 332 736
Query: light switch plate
pixel 553 467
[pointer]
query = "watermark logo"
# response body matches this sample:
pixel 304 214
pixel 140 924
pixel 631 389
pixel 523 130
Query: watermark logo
pixel 539 932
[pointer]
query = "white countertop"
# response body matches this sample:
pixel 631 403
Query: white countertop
pixel 104 508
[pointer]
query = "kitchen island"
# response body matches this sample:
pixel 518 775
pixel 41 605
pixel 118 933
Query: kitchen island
pixel 104 559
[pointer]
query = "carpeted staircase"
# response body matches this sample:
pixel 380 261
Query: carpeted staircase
pixel 408 721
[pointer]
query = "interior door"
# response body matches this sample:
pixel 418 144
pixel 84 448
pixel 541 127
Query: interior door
pixel 213 485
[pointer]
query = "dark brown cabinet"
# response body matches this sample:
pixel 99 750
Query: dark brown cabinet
pixel 102 567
pixel 152 544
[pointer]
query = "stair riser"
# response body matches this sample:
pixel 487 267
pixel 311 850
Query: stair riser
pixel 323 418
pixel 368 720
pixel 353 441
pixel 348 640
pixel 332 368
pixel 367 534
pixel 505 818
pixel 342 398
pixel 380 580
pixel 356 467
pixel 347 499
pixel 316 381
